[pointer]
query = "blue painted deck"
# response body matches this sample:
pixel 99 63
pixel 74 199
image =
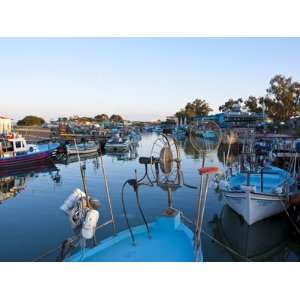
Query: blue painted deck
pixel 171 241
pixel 273 177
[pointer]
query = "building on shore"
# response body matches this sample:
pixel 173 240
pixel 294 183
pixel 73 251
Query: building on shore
pixel 5 125
pixel 236 119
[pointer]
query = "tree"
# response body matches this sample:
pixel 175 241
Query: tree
pixel 31 121
pixel 116 119
pixel 101 118
pixel 84 120
pixel 284 98
pixel 181 116
pixel 253 104
pixel 230 104
pixel 199 107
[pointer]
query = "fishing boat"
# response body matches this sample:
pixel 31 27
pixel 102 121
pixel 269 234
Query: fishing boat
pixel 134 137
pixel 157 129
pixel 117 144
pixel 180 132
pixel 209 134
pixel 14 151
pixel 168 238
pixel 258 195
pixel 83 148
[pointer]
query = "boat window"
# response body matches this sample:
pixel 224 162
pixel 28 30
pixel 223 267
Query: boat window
pixel 8 146
pixel 18 144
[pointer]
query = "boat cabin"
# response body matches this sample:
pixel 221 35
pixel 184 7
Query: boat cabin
pixel 12 145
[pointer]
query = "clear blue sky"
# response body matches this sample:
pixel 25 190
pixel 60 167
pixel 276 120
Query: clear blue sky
pixel 139 78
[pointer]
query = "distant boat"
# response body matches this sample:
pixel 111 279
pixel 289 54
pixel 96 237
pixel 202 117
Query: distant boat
pixel 258 195
pixel 180 132
pixel 84 148
pixel 134 137
pixel 209 134
pixel 15 152
pixel 158 129
pixel 117 144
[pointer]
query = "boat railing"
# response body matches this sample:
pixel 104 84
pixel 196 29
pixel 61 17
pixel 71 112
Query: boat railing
pixel 205 175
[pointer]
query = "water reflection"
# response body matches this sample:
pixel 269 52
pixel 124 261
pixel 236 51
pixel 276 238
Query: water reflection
pixel 14 181
pixel 10 186
pixel 263 241
pixel 70 159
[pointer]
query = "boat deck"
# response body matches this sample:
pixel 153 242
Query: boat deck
pixel 170 241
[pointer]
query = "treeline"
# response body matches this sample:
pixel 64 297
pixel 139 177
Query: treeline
pixel 281 102
pixel 31 121
pixel 38 121
pixel 98 118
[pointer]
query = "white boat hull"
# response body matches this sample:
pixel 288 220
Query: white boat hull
pixel 81 152
pixel 116 147
pixel 254 207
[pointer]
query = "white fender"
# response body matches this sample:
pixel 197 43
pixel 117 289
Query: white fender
pixel 71 200
pixel 90 224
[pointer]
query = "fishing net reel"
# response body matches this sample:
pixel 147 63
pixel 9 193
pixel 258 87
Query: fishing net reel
pixel 165 160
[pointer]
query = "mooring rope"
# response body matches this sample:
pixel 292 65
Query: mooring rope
pixel 226 247
pixel 289 217
pixel 215 240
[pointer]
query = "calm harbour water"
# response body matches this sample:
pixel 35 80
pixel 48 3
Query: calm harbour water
pixel 31 222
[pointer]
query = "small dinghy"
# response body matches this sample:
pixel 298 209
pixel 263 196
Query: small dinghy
pixel 258 195
pixel 117 144
pixel 82 149
pixel 169 238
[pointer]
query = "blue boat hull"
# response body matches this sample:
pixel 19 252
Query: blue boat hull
pixel 29 158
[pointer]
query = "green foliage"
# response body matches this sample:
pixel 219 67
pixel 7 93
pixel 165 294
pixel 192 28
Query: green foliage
pixel 283 101
pixel 199 107
pixel 230 105
pixel 85 119
pixel 101 118
pixel 253 104
pixel 116 119
pixel 31 121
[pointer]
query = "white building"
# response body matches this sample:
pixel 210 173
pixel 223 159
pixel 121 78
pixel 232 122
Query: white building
pixel 5 125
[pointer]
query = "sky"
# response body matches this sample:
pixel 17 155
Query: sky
pixel 138 78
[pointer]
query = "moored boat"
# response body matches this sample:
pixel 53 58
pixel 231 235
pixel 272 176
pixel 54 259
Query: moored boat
pixel 117 144
pixel 82 149
pixel 14 151
pixel 209 134
pixel 258 195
